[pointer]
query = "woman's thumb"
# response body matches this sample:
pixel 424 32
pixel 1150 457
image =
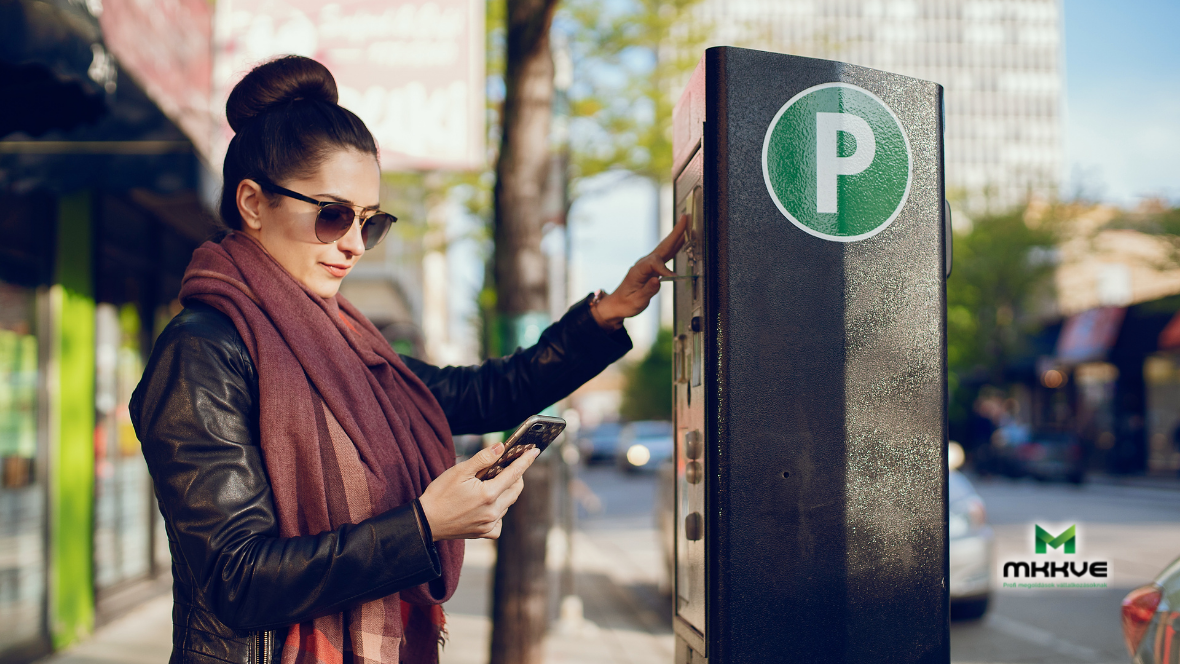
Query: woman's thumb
pixel 486 457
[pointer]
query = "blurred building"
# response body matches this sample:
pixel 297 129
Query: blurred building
pixel 1105 263
pixel 1119 346
pixel 1105 366
pixel 109 136
pixel 1000 62
pixel 100 210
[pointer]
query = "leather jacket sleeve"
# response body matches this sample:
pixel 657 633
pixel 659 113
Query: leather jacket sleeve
pixel 196 413
pixel 501 393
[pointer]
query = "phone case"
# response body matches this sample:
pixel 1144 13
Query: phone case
pixel 537 431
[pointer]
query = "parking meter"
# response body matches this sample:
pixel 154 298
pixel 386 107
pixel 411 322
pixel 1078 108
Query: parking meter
pixel 809 366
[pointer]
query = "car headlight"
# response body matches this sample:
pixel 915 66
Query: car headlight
pixel 638 455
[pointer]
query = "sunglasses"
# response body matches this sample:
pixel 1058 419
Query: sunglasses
pixel 336 219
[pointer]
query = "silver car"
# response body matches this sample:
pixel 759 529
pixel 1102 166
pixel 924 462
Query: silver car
pixel 971 543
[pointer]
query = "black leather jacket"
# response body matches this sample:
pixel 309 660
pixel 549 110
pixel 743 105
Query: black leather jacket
pixel 236 583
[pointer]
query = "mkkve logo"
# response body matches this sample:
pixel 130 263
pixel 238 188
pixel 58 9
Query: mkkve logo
pixel 1043 572
pixel 1069 538
pixel 837 162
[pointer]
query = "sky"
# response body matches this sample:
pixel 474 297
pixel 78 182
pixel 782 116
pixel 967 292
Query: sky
pixel 613 226
pixel 1122 122
pixel 611 231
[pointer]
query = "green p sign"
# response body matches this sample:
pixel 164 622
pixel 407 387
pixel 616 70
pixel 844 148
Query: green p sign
pixel 837 162
pixel 1068 538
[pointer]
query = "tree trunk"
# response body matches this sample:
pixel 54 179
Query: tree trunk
pixel 523 165
pixel 520 594
pixel 520 591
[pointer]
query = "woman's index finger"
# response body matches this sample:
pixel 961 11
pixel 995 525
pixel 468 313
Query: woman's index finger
pixel 671 244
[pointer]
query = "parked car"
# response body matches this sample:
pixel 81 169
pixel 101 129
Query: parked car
pixel 1052 456
pixel 600 444
pixel 971 544
pixel 1151 619
pixel 1042 455
pixel 644 445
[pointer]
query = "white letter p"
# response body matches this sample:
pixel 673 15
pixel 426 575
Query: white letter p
pixel 829 163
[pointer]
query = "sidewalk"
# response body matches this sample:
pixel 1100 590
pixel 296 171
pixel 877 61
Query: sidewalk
pixel 142 636
pixel 626 620
pixel 617 571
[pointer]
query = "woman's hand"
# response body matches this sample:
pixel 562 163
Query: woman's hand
pixel 459 506
pixel 641 283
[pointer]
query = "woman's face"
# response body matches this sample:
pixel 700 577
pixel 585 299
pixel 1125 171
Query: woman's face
pixel 286 227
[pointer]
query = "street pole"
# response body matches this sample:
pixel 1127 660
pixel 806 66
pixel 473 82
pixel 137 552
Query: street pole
pixel 570 614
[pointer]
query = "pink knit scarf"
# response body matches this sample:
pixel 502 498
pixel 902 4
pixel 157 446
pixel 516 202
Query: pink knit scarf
pixel 348 432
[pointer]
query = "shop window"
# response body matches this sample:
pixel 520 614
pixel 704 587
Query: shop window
pixel 22 495
pixel 124 509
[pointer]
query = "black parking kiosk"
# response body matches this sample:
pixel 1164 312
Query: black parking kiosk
pixel 809 381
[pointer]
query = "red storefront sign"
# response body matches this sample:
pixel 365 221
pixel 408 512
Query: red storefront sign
pixel 412 70
pixel 1088 336
pixel 167 46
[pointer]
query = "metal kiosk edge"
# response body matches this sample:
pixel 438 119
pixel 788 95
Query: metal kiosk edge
pixel 809 382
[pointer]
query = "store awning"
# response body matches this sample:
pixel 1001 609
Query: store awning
pixel 38 101
pixel 1088 336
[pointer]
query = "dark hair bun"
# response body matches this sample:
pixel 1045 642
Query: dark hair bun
pixel 286 121
pixel 276 84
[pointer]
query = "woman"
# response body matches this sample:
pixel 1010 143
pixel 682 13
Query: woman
pixel 305 471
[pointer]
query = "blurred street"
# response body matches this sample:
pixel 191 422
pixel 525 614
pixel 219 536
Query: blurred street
pixel 627 618
pixel 618 570
pixel 1136 528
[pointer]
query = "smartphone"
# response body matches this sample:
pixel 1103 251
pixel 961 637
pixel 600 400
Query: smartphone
pixel 537 431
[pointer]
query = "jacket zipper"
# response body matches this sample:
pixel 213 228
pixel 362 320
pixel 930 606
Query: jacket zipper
pixel 262 646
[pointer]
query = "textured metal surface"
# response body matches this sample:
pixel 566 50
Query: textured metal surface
pixel 824 417
pixel 894 400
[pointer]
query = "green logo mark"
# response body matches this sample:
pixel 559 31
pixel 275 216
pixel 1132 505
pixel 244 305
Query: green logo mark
pixel 837 162
pixel 1068 538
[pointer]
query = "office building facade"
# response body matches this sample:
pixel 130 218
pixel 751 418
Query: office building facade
pixel 1000 61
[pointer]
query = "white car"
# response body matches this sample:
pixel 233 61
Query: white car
pixel 971 542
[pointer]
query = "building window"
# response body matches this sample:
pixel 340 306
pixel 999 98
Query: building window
pixel 22 495
pixel 123 507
